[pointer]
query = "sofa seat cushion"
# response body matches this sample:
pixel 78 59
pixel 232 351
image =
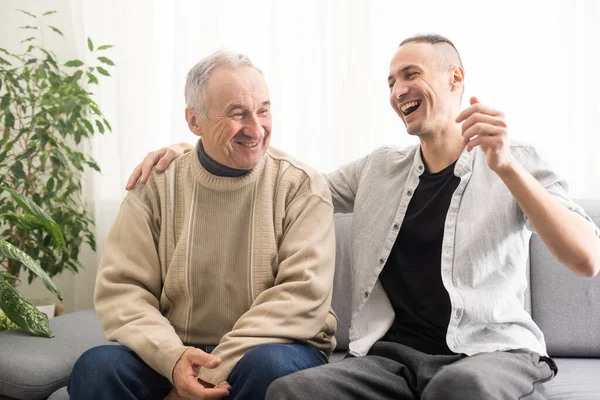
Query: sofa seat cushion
pixel 33 367
pixel 60 394
pixel 577 379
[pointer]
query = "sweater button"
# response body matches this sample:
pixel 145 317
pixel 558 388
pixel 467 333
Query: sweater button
pixel 381 261
pixel 409 192
pixel 366 293
pixel 396 227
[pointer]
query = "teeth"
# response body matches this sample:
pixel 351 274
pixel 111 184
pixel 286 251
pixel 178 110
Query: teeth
pixel 249 144
pixel 408 105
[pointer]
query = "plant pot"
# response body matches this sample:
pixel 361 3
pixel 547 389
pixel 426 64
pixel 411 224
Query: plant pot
pixel 48 309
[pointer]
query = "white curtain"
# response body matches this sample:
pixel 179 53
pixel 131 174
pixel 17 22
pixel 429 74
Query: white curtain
pixel 326 62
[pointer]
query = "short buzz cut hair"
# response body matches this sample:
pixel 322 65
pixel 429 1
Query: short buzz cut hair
pixel 197 77
pixel 447 52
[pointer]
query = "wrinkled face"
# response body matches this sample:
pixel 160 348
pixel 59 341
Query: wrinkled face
pixel 237 129
pixel 421 90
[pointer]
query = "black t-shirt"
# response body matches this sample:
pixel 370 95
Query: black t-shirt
pixel 412 275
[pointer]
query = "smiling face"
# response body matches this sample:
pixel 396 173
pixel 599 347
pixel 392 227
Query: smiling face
pixel 237 128
pixel 425 89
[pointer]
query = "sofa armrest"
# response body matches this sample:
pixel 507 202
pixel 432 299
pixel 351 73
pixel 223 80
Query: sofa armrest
pixel 34 367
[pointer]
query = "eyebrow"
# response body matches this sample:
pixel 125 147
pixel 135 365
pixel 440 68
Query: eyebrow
pixel 405 69
pixel 236 106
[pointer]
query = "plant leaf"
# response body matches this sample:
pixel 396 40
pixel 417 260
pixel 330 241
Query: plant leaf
pixel 89 126
pixel 106 60
pixel 55 29
pixel 50 185
pixel 20 311
pixel 92 164
pixel 26 12
pixel 5 101
pixel 8 276
pixel 9 251
pixel 90 44
pixel 92 78
pixel 26 222
pixel 77 75
pixel 17 170
pixel 100 126
pixel 29 39
pixel 32 208
pixel 28 27
pixel 62 158
pixel 103 71
pixel 74 63
pixel 105 47
pixel 9 120
pixel 49 13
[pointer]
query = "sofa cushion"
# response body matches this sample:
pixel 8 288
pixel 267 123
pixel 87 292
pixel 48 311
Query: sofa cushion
pixel 565 306
pixel 60 394
pixel 577 379
pixel 33 367
pixel 342 282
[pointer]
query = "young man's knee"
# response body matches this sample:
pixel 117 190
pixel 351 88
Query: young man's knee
pixel 284 388
pixel 456 384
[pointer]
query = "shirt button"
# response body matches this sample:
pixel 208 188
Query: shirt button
pixel 396 227
pixel 409 192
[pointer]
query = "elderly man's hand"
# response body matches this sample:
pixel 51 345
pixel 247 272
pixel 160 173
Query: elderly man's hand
pixel 161 158
pixel 187 385
pixel 486 127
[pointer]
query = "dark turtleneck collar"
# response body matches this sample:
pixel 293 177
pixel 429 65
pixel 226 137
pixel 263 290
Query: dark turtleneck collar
pixel 215 168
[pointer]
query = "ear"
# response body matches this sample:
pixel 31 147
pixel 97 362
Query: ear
pixel 194 121
pixel 457 78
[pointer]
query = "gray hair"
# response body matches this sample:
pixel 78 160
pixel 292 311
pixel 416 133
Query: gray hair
pixel 197 77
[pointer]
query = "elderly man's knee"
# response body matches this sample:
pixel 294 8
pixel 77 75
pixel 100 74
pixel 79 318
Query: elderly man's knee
pixel 268 361
pixel 101 363
pixel 457 383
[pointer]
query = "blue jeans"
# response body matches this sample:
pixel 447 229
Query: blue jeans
pixel 115 372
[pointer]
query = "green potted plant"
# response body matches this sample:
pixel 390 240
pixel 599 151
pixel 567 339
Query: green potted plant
pixel 16 310
pixel 46 110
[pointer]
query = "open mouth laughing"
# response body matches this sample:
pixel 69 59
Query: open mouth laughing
pixel 248 144
pixel 409 107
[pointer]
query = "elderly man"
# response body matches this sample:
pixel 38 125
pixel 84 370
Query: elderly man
pixel 216 277
pixel 439 261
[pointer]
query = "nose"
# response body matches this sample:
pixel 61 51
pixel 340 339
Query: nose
pixel 254 129
pixel 398 91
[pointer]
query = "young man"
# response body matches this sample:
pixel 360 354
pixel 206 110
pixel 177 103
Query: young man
pixel 439 249
pixel 229 252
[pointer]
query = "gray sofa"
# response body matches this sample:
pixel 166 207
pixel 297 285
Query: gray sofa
pixel 566 307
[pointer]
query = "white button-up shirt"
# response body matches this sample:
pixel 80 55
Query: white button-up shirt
pixel 484 251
